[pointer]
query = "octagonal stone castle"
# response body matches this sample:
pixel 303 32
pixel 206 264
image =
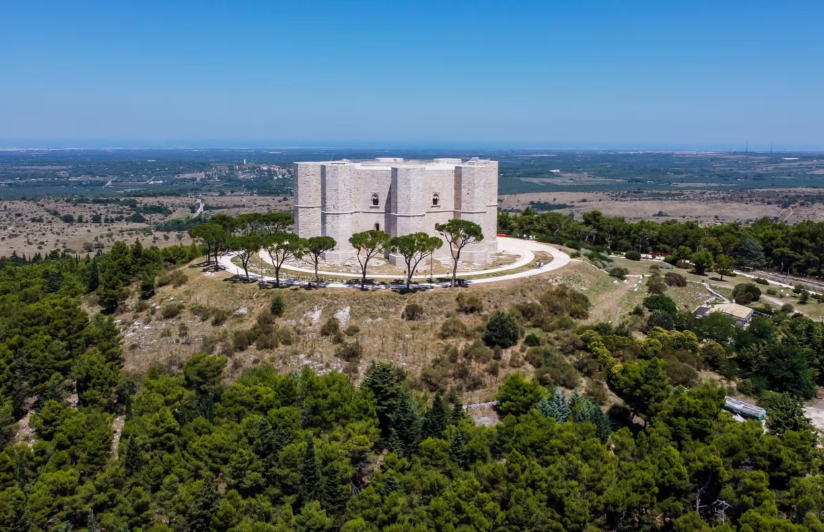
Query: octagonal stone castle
pixel 341 198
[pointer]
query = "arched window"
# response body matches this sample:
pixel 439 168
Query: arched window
pixel 436 200
pixel 377 227
pixel 375 200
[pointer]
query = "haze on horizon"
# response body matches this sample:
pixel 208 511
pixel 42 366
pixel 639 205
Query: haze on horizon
pixel 606 74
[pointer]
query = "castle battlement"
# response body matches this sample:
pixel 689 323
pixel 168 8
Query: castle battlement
pixel 340 198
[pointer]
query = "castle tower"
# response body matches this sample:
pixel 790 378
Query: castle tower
pixel 337 190
pixel 307 199
pixel 472 196
pixel 409 202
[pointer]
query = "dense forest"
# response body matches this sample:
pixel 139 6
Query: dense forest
pixel 318 452
pixel 796 249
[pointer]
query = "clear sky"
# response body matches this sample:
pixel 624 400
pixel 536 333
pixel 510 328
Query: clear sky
pixel 583 74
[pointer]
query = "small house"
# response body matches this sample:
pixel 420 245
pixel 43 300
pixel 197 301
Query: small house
pixel 740 313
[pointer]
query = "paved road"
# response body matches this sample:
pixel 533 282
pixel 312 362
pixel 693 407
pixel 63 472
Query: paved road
pixel 524 248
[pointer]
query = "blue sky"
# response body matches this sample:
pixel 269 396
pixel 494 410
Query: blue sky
pixel 576 74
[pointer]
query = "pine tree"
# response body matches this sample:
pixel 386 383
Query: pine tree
pixel 394 443
pixel 266 445
pixel 91 522
pixel 390 485
pixel 385 381
pixel 310 479
pixel 20 518
pixel 457 450
pixel 436 419
pixel 332 497
pixel 407 425
pixel 458 414
pixel 134 461
pixel 128 413
pixel 94 276
pixel 203 507
pixel 556 407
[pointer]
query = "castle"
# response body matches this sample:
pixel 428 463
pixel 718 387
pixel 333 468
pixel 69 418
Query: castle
pixel 340 198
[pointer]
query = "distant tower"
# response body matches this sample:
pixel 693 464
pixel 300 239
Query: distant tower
pixel 244 162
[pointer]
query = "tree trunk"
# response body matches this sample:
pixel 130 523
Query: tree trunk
pixel 455 268
pixel 317 277
pixel 277 276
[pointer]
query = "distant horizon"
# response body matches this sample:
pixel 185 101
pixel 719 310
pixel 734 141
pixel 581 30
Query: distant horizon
pixel 410 146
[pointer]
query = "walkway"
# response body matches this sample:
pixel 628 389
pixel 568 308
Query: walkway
pixel 524 248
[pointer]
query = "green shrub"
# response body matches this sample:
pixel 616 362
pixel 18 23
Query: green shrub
pixel 656 284
pixel 219 317
pixel 772 292
pixel 745 293
pixel 277 306
pixel 532 340
pixel 352 330
pixel 662 303
pixel 330 327
pixel 349 351
pixel 453 328
pixel 619 272
pixel 172 310
pixel 675 279
pixel 632 255
pixel 412 312
pixel 468 303
pixel 501 330
pixel 241 340
pixel 478 352
pixel 759 280
pixel 285 336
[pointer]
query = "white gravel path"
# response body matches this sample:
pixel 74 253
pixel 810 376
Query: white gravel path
pixel 524 248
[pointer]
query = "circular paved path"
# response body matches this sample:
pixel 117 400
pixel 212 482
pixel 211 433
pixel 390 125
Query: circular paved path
pixel 524 248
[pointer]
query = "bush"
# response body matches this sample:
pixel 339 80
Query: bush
pixel 285 336
pixel 772 292
pixel 660 318
pixel 172 310
pixel 632 255
pixel 352 330
pixel 661 303
pixel 552 368
pixel 468 303
pixel 680 374
pixel 619 272
pixel 452 328
pixel 656 284
pixel 349 351
pixel 219 317
pixel 268 340
pixel 675 279
pixel 804 297
pixel 330 327
pixel 759 280
pixel 478 352
pixel 532 340
pixel 175 278
pixel 501 330
pixel 412 312
pixel 241 340
pixel 277 306
pixel 745 293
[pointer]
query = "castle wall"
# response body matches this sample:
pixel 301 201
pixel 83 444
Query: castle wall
pixel 336 199
pixel 367 182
